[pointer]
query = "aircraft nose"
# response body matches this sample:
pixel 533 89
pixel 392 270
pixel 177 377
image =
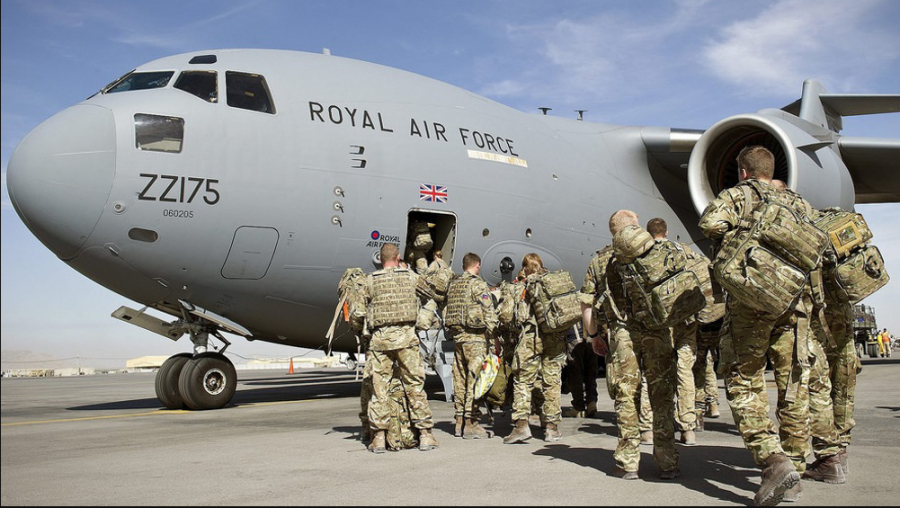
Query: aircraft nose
pixel 60 176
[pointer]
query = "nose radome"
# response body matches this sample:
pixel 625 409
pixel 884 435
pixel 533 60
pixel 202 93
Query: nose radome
pixel 60 176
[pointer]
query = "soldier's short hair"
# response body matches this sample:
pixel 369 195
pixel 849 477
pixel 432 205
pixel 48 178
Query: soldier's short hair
pixel 657 227
pixel 389 252
pixel 622 218
pixel 757 161
pixel 532 263
pixel 470 260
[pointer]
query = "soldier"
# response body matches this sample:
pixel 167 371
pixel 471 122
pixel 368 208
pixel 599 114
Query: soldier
pixel 684 336
pixel 471 321
pixel 538 355
pixel 637 350
pixel 706 398
pixel 754 333
pixel 580 373
pixel 392 309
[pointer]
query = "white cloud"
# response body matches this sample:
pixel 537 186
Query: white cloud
pixel 830 40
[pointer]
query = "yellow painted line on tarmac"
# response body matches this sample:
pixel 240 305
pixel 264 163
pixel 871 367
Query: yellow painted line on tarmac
pixel 153 413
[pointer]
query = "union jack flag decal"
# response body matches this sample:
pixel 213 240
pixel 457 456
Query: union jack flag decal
pixel 433 193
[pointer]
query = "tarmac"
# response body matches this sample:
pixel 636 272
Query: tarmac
pixel 294 440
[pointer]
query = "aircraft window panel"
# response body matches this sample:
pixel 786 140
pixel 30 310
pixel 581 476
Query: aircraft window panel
pixel 139 81
pixel 248 91
pixel 202 84
pixel 158 133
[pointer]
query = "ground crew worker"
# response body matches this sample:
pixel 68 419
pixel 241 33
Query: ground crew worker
pixel 471 321
pixel 785 337
pixel 538 355
pixel 684 336
pixel 392 308
pixel 637 350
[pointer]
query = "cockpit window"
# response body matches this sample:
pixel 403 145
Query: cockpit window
pixel 199 83
pixel 158 133
pixel 248 91
pixel 139 81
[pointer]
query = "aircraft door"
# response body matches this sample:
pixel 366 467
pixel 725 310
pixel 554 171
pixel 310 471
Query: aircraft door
pixel 429 233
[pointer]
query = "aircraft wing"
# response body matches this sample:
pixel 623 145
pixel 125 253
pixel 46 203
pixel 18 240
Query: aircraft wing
pixel 874 165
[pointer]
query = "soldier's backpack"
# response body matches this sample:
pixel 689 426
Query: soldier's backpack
pixel 715 304
pixel 421 236
pixel 501 389
pixel 662 291
pixel 400 433
pixel 435 282
pixel 555 300
pixel 854 269
pixel 766 263
pixel 351 290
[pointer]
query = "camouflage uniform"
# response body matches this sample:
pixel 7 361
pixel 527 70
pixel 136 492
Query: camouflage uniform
pixel 645 413
pixel 398 343
pixel 832 380
pixel 685 338
pixel 755 334
pixel 539 358
pixel 706 389
pixel 470 293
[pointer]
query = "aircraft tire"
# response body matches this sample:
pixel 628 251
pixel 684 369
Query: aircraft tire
pixel 167 381
pixel 873 350
pixel 207 381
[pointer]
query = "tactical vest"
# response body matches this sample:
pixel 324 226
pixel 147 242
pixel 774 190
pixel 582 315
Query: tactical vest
pixel 853 269
pixel 773 249
pixel 393 298
pixel 555 300
pixel 462 309
pixel 661 291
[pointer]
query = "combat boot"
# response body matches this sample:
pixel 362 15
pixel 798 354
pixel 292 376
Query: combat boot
pixel 427 440
pixel 458 430
pixel 552 433
pixel 647 437
pixel 473 430
pixel 571 412
pixel 778 476
pixel 712 411
pixel 591 410
pixel 700 426
pixel 520 434
pixel 688 438
pixel 793 494
pixel 378 442
pixel 845 463
pixel 825 469
pixel 365 433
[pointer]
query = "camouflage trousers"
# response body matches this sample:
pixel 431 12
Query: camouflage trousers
pixel 539 360
pixel 411 372
pixel 785 340
pixel 365 393
pixel 832 384
pixel 635 351
pixel 706 389
pixel 467 359
pixel 645 414
pixel 685 339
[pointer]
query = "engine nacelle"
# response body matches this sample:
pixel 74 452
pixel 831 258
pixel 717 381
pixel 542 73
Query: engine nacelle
pixel 806 158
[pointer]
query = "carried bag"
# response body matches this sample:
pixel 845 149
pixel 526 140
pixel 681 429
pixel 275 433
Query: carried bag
pixel 486 375
pixel 501 387
pixel 855 269
pixel 555 300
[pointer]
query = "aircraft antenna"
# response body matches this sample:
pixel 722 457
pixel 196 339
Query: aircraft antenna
pixel 545 110
pixel 580 113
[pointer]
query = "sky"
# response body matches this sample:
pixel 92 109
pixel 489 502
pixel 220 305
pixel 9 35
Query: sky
pixel 685 64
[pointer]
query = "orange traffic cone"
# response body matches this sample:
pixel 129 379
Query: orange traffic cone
pixel 291 369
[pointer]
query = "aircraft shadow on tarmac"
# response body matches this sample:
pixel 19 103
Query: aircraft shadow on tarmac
pixel 703 468
pixel 288 388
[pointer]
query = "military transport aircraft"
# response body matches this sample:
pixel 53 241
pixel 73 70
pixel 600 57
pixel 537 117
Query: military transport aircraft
pixel 230 189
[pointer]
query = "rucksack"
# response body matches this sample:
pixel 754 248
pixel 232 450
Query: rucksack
pixel 435 282
pixel 555 300
pixel 715 305
pixel 766 263
pixel 351 290
pixel 662 292
pixel 854 269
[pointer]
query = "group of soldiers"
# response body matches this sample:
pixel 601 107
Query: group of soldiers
pixel 809 345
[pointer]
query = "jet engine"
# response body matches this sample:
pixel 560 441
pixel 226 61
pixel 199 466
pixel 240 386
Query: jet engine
pixel 806 158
